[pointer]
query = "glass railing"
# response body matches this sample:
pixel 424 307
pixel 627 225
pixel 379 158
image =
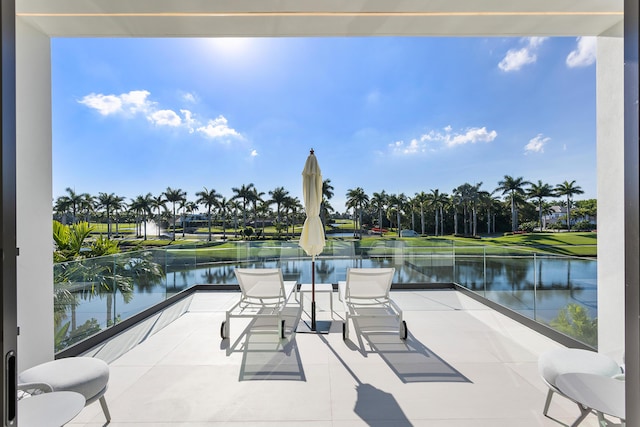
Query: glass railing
pixel 94 294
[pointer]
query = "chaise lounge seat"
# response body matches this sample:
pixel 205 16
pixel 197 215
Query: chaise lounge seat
pixel 88 376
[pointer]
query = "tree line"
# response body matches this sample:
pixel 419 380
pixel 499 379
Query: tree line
pixel 514 204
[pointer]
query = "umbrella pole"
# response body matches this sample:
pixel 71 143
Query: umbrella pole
pixel 313 293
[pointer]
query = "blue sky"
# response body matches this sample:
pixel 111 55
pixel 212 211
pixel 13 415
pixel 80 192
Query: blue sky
pixel 400 114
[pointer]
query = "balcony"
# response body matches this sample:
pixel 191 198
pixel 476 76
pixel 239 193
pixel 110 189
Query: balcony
pixel 463 364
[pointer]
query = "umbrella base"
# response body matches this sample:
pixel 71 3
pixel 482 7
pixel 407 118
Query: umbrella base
pixel 322 327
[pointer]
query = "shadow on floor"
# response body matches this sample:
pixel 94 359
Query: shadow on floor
pixel 264 355
pixel 409 359
pixel 374 406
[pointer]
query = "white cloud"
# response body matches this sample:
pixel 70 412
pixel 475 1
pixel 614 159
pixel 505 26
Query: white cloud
pixel 515 59
pixel 136 103
pixel 472 136
pixel 427 142
pixel 535 42
pixel 584 54
pixel 189 121
pixel 189 97
pixel 165 118
pixel 254 153
pixel 218 128
pixel 536 144
pixel 133 101
pixel 413 147
pixel 104 104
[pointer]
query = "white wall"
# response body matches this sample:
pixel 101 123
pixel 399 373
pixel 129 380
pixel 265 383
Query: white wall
pixel 610 154
pixel 34 196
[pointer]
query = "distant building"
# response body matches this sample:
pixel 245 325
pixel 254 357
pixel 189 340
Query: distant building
pixel 558 214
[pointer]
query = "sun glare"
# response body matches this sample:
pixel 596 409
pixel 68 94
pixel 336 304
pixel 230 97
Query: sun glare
pixel 231 47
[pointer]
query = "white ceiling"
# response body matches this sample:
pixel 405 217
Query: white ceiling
pixel 197 18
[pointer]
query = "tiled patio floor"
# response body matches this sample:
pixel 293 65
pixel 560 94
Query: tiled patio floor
pixel 463 364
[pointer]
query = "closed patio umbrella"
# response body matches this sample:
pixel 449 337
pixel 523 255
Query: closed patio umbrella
pixel 312 237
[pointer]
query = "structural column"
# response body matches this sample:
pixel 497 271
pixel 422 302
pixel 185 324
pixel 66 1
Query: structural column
pixel 34 196
pixel 610 160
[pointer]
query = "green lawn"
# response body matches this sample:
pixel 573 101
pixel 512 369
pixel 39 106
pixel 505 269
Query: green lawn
pixel 562 243
pixel 573 244
pixel 576 244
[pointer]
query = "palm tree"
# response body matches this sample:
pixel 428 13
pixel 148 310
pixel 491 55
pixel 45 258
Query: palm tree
pixel 87 206
pixel 513 186
pixel 357 199
pixel 223 208
pixel 547 209
pixel 256 196
pixel 326 210
pixel 421 199
pixel 278 196
pixel 157 203
pixel 174 196
pixel 411 205
pixel 118 206
pixel 209 199
pixel 244 193
pixel 437 200
pixel 134 209
pixel 397 203
pixel 539 191
pixel 474 199
pixel 327 194
pixel 72 201
pixel 61 208
pixel 264 211
pixel 187 208
pixel 568 189
pixel 233 207
pixel 464 196
pixel 292 206
pixel 105 201
pixel 141 206
pixel 455 200
pixel 491 204
pixel 379 201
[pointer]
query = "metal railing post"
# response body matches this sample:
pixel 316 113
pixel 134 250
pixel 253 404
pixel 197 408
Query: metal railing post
pixel 484 269
pixel 535 286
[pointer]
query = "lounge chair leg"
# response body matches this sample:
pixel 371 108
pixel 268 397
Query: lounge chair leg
pixel 105 408
pixel 583 414
pixel 547 402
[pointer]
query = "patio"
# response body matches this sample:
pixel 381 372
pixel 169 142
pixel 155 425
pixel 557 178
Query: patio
pixel 463 364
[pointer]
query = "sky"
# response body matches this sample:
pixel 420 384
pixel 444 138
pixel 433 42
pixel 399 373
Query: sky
pixel 399 114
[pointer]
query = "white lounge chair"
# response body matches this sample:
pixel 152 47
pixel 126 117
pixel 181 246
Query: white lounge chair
pixel 365 294
pixel 88 376
pixel 553 363
pixel 264 294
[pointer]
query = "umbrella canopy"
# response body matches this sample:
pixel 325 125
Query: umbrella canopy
pixel 312 237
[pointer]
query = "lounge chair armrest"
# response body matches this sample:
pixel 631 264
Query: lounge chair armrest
pixel 396 307
pixel 342 286
pixel 289 286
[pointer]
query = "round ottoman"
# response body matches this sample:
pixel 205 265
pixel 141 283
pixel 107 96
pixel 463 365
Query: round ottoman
pixel 88 376
pixel 566 360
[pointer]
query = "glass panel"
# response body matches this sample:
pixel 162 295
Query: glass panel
pixel 94 294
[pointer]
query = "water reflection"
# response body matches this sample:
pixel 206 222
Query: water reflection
pixel 535 286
